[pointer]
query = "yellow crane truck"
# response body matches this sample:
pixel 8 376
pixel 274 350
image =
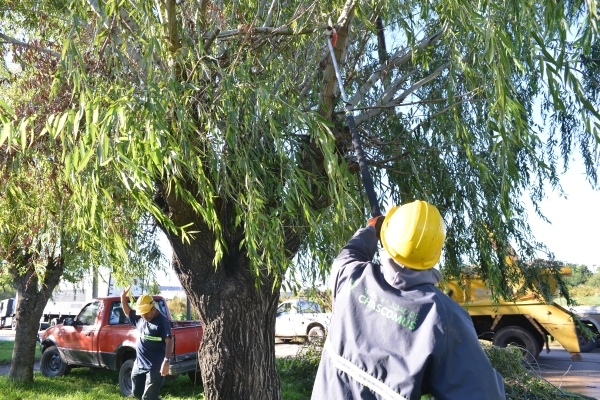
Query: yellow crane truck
pixel 526 322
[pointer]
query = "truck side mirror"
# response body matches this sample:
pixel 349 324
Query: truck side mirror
pixel 68 321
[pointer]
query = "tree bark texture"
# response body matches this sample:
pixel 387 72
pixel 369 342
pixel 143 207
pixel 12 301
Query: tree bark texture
pixel 237 355
pixel 32 297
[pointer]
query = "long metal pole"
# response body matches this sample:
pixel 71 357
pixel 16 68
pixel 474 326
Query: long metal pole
pixel 360 154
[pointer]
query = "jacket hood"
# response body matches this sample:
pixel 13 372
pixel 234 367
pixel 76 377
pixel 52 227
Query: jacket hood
pixel 404 278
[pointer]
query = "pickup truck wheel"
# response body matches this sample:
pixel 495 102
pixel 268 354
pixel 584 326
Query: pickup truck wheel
pixel 125 378
pixel 51 364
pixel 586 344
pixel 517 336
pixel 316 333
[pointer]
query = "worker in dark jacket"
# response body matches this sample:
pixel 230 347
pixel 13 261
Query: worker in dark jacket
pixel 393 334
pixel 153 349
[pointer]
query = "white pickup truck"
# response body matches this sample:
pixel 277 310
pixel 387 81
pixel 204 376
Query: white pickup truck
pixel 301 318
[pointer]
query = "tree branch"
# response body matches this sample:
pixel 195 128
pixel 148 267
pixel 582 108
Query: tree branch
pixel 270 14
pixel 19 43
pixel 131 50
pixel 412 103
pixel 263 30
pixel 438 113
pixel 329 82
pixel 400 57
pixel 374 112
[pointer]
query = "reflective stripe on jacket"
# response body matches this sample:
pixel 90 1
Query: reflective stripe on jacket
pixel 364 378
pixel 153 338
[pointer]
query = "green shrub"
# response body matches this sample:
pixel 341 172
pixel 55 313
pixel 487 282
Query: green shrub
pixel 178 308
pixel 584 291
pixel 297 374
pixel 594 281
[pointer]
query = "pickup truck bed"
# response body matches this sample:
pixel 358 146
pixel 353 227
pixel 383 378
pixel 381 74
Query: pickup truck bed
pixel 101 336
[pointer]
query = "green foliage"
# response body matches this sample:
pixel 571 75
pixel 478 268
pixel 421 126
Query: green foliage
pixel 584 286
pixel 580 275
pixel 220 121
pixel 519 382
pixel 7 292
pixel 594 280
pixel 246 120
pixel 178 307
pixel 322 297
pixel 298 373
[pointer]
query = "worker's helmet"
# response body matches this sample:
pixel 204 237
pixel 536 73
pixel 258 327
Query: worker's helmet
pixel 413 234
pixel 144 304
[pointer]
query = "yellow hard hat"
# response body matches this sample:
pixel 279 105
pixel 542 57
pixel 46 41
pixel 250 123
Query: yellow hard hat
pixel 144 304
pixel 413 234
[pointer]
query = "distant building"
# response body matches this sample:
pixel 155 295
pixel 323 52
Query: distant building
pixel 169 292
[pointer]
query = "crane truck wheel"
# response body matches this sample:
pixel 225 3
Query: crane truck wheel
pixel 51 363
pixel 316 333
pixel 125 384
pixel 517 336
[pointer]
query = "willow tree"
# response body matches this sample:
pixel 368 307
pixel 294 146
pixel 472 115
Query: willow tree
pixel 223 120
pixel 41 244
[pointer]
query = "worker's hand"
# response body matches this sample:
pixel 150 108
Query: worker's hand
pixel 164 368
pixel 124 294
pixel 376 222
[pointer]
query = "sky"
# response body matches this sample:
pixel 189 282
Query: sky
pixel 573 234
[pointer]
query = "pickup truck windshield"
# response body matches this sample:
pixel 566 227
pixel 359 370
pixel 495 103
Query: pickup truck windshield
pixel 87 316
pixel 284 308
pixel 308 307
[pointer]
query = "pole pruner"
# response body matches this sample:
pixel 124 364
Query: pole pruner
pixel 360 154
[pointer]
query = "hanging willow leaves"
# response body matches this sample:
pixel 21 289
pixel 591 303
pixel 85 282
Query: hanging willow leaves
pixel 222 120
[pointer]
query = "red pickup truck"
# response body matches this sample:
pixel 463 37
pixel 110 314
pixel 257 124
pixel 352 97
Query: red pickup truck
pixel 100 336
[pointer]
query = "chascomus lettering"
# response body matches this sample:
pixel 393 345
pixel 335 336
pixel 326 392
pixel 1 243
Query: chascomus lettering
pixel 389 309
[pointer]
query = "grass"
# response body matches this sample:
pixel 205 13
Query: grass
pixel 581 300
pixel 6 350
pixel 297 376
pixel 90 384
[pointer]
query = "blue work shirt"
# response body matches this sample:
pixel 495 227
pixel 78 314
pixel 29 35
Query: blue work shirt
pixel 151 346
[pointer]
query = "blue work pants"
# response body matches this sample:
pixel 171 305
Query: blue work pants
pixel 146 383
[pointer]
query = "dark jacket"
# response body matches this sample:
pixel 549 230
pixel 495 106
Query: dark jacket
pixel 394 335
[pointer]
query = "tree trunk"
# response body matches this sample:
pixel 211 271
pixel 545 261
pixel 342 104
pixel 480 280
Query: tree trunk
pixel 237 355
pixel 31 302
